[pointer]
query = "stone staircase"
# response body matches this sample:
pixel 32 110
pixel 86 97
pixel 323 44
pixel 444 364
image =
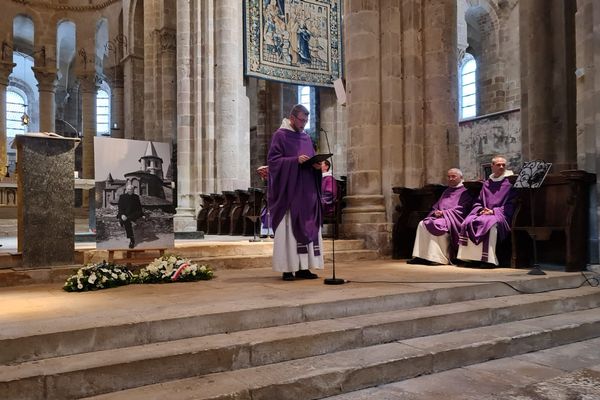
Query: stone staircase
pixel 303 350
pixel 240 254
pixel 244 254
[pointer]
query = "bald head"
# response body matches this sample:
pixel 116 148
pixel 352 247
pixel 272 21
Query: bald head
pixel 498 166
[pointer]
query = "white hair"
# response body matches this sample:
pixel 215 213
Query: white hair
pixel 495 159
pixel 458 171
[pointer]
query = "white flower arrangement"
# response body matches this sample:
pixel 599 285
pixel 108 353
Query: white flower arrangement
pixel 171 268
pixel 101 275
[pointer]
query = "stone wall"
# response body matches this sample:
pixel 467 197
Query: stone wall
pixel 484 137
pixel 489 29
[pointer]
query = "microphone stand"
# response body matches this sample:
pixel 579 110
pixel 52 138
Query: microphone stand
pixel 333 280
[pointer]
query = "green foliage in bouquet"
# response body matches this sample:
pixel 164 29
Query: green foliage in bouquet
pixel 171 268
pixel 101 275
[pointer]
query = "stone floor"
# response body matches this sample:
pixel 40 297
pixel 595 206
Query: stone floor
pixel 39 309
pixel 47 307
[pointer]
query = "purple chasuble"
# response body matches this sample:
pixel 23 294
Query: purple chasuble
pixel 329 194
pixel 498 196
pixel 454 203
pixel 295 187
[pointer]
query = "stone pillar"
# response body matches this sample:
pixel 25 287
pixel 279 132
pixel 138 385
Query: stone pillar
pixel 133 98
pixel 185 219
pixel 440 89
pixel 231 103
pixel 5 70
pixel 548 81
pixel 45 200
pixel 588 117
pixel 89 88
pixel 364 216
pixel 333 119
pixel 117 123
pixel 168 106
pixel 46 77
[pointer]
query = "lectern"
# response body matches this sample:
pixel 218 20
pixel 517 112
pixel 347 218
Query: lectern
pixel 45 199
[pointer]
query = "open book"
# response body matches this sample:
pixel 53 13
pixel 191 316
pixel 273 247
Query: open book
pixel 317 158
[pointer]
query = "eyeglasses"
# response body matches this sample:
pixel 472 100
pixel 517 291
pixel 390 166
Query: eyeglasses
pixel 305 120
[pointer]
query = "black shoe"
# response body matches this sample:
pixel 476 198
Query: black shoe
pixel 288 276
pixel 131 244
pixel 306 274
pixel 420 261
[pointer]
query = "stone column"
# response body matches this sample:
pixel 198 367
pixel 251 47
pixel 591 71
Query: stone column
pixel 364 215
pixel 185 219
pixel 46 77
pixel 440 89
pixel 89 88
pixel 231 103
pixel 117 123
pixel 168 106
pixel 5 70
pixel 588 117
pixel 133 97
pixel 548 81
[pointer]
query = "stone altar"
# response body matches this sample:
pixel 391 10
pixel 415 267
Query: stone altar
pixel 45 199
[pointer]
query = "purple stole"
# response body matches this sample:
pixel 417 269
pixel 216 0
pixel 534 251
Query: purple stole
pixel 499 197
pixel 295 187
pixel 455 202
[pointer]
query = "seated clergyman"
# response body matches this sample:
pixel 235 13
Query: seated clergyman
pixel 489 220
pixel 437 235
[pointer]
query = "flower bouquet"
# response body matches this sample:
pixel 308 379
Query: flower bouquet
pixel 101 275
pixel 170 268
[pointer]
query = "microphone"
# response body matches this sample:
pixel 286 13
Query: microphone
pixel 333 280
pixel 326 139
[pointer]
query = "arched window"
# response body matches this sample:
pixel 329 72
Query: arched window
pixel 16 108
pixel 468 87
pixel 102 113
pixel 304 98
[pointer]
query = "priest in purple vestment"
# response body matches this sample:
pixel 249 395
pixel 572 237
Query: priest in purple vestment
pixel 436 241
pixel 295 199
pixel 328 190
pixel 489 220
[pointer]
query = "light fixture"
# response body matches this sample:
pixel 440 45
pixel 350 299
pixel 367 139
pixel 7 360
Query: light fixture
pixel 25 119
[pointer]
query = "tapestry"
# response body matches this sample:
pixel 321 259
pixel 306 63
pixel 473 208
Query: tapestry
pixel 293 41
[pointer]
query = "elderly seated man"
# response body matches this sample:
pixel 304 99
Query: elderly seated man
pixel 489 220
pixel 437 235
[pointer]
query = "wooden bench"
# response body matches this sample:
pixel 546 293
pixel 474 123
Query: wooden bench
pixel 561 221
pixel 560 224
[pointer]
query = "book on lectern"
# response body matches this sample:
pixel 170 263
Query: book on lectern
pixel 317 158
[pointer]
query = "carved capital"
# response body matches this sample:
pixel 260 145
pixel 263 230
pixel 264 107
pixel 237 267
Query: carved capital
pixel 167 38
pixel 46 77
pixel 89 82
pixel 5 70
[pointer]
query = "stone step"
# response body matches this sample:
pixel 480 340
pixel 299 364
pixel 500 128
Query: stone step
pixel 201 250
pixel 343 371
pixel 261 261
pixel 522 375
pixel 165 361
pixel 28 341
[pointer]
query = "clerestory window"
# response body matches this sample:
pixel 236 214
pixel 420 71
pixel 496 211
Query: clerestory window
pixel 468 87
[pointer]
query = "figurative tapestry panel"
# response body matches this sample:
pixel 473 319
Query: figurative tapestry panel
pixel 134 194
pixel 294 41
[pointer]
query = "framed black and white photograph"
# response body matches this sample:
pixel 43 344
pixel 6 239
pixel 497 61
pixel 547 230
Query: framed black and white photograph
pixel 134 194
